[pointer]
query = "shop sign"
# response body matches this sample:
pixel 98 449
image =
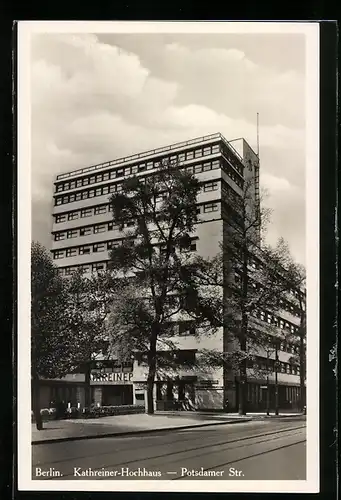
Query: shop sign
pixel 111 378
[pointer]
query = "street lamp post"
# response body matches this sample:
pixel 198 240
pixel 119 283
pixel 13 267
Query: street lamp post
pixel 276 379
pixel 267 384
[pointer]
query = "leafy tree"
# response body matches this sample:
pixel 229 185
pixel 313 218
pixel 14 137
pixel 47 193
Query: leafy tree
pixel 252 278
pixel 157 215
pixel 50 339
pixel 89 303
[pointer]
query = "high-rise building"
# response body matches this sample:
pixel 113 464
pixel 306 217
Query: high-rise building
pixel 83 234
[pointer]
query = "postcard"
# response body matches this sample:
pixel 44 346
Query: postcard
pixel 168 256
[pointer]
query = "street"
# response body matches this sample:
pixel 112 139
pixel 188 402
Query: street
pixel 273 449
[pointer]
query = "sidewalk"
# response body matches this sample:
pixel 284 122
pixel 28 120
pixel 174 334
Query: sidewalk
pixel 124 425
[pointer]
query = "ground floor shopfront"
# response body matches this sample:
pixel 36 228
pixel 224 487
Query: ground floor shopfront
pixel 119 388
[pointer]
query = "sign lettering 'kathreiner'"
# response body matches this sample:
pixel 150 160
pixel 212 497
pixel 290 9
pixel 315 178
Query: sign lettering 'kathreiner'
pixel 111 378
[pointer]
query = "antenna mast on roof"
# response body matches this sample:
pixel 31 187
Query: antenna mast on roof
pixel 258 135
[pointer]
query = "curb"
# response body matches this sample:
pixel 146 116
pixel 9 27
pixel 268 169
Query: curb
pixel 132 433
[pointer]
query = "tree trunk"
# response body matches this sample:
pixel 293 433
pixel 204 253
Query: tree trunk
pixel 87 395
pixel 276 382
pixel 36 402
pixel 243 330
pixel 267 385
pixel 151 374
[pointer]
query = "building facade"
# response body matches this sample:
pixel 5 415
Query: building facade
pixel 83 234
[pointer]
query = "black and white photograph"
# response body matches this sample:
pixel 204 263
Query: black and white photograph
pixel 168 266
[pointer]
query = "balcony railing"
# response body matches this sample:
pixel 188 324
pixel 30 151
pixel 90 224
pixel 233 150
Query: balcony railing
pixel 146 154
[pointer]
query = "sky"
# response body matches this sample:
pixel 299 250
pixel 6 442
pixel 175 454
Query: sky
pixel 95 98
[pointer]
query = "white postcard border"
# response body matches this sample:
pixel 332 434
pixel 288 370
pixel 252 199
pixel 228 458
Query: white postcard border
pixel 311 32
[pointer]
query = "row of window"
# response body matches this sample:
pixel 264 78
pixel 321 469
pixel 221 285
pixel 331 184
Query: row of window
pixel 270 364
pixel 105 207
pixel 141 167
pixel 283 304
pixel 271 319
pixel 109 245
pixel 117 187
pixel 109 226
pixel 85 268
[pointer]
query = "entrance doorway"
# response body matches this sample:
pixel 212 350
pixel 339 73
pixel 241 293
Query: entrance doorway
pixel 117 395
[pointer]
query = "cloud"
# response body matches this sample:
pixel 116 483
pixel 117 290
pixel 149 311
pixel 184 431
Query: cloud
pixel 93 101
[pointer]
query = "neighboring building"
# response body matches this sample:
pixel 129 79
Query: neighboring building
pixel 83 235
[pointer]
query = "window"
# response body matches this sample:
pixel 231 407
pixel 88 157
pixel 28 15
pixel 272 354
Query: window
pixel 106 176
pixel 72 198
pixel 91 193
pixel 215 164
pixel 111 226
pixel 98 247
pixel 59 188
pixel 84 250
pixel 120 172
pixel 215 149
pixel 73 215
pixel 142 167
pixel 112 188
pixel 100 228
pixel 85 195
pixel 79 183
pixel 189 155
pixel 92 179
pixel 150 165
pixel 190 169
pixel 59 254
pixel 85 181
pixel 197 153
pixel 58 201
pixel 198 210
pixel 105 189
pixel 186 357
pixel 210 207
pixel 113 244
pixel 66 186
pixel 186 328
pixel 182 157
pixel 99 178
pixel 198 169
pixel 100 210
pixel 134 169
pixel 86 212
pixel 60 218
pixel 119 187
pixel 72 233
pixel 71 252
pixel 210 186
pixel 207 151
pixel 59 236
pixel 73 185
pixel 207 166
pixel 84 231
pixel 98 192
pixel 98 267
